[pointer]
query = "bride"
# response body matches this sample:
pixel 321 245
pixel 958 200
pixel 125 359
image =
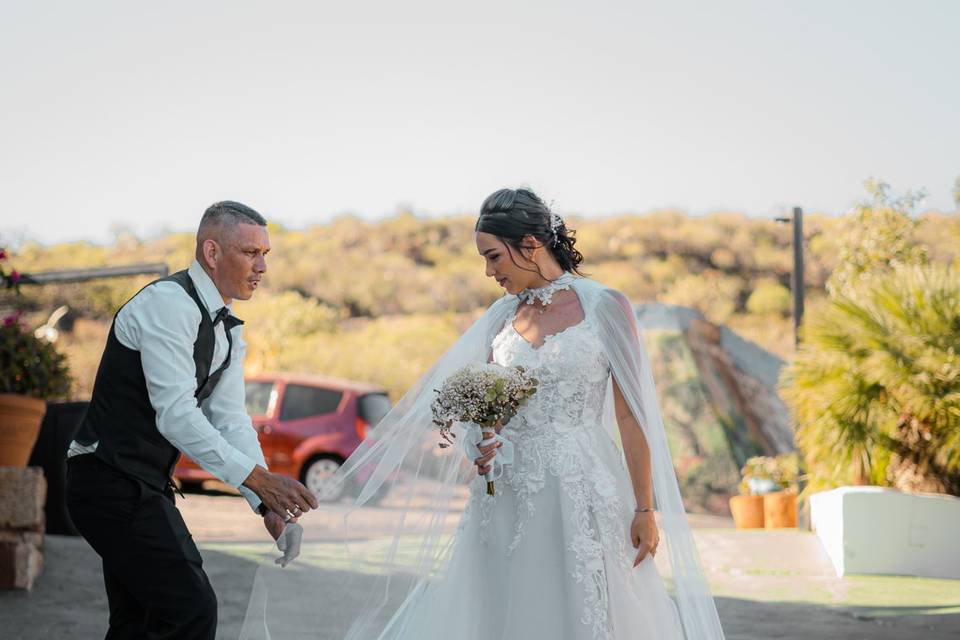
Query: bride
pixel 565 548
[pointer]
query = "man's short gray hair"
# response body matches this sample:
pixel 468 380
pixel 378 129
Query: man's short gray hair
pixel 229 214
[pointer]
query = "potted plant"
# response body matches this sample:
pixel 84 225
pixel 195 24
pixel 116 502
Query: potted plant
pixel 31 372
pixel 767 491
pixel 780 506
pixel 747 508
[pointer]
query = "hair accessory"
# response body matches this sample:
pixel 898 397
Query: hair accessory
pixel 555 223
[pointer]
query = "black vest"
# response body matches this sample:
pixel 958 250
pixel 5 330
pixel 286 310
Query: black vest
pixel 120 415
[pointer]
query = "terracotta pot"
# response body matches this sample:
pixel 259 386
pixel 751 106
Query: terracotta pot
pixel 780 510
pixel 20 418
pixel 747 511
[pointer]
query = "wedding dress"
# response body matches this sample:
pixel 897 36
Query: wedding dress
pixel 548 556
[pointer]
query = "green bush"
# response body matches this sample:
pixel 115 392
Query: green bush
pixel 769 298
pixel 29 365
pixel 711 292
pixel 875 386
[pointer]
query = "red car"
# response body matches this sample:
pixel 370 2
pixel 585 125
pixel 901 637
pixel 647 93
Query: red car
pixel 307 425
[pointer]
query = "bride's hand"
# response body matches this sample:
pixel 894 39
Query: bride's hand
pixel 483 462
pixel 644 535
pixel 275 524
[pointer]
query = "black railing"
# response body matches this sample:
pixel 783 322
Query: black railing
pixel 68 276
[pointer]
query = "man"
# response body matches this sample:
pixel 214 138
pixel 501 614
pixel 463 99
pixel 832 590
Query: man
pixel 171 380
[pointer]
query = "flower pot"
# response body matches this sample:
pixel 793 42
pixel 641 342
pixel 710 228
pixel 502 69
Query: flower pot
pixel 747 511
pixel 20 418
pixel 780 510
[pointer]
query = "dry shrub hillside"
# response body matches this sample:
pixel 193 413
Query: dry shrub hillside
pixel 379 301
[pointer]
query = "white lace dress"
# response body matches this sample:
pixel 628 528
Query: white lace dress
pixel 549 557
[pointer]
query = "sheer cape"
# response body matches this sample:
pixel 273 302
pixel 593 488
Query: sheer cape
pixel 356 572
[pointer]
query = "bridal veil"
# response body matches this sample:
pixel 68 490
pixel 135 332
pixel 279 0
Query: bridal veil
pixel 358 567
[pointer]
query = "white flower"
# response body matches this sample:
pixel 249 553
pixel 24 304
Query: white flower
pixel 484 394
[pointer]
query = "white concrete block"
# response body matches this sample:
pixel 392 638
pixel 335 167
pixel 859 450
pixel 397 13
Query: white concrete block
pixel 875 530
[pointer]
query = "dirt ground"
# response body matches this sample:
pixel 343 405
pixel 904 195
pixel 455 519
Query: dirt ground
pixel 768 584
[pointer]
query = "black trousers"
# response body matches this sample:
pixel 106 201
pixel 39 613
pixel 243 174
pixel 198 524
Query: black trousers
pixel 152 570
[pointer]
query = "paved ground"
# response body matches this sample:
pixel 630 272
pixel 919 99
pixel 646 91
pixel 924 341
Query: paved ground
pixel 775 584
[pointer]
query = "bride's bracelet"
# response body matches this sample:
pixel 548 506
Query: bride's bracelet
pixel 644 510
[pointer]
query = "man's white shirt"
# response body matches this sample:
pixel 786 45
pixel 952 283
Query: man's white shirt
pixel 161 323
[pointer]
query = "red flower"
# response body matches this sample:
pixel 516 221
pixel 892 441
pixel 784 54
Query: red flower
pixel 15 276
pixel 3 255
pixel 12 319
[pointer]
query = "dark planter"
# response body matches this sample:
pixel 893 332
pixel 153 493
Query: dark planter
pixel 50 452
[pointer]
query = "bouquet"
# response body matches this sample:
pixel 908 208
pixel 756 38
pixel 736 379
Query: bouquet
pixel 487 395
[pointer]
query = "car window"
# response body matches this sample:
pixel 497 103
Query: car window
pixel 372 407
pixel 300 401
pixel 258 397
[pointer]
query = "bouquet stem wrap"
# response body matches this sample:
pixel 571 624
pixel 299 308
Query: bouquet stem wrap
pixel 473 437
pixel 489 437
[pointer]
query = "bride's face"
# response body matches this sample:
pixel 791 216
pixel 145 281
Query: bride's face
pixel 509 267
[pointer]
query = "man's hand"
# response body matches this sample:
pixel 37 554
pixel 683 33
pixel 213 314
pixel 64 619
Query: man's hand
pixel 280 494
pixel 644 535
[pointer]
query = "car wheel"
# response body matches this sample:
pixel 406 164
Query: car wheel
pixel 317 474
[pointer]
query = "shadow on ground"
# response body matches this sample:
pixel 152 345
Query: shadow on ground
pixel 752 620
pixel 68 602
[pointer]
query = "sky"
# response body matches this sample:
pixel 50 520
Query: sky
pixel 136 116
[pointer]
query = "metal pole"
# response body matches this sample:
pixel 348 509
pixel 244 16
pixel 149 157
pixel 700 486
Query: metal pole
pixel 796 283
pixel 83 275
pixel 796 276
pixel 796 286
pixel 796 280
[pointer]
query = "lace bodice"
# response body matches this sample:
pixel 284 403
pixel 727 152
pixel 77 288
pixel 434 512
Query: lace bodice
pixel 573 373
pixel 561 426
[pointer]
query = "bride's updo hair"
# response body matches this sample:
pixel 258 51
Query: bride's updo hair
pixel 513 214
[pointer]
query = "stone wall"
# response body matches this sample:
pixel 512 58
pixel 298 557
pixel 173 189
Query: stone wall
pixel 23 492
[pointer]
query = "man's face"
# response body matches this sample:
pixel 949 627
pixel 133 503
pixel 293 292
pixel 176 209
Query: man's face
pixel 241 260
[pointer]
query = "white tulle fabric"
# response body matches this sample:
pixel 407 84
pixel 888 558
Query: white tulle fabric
pixel 549 555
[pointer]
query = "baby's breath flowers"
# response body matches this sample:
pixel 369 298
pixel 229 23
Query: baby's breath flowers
pixel 488 395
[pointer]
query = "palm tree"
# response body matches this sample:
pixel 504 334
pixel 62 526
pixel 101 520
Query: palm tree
pixel 875 386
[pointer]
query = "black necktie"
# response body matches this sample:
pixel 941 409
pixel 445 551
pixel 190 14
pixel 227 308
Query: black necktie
pixel 221 314
pixel 229 321
pixel 224 315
